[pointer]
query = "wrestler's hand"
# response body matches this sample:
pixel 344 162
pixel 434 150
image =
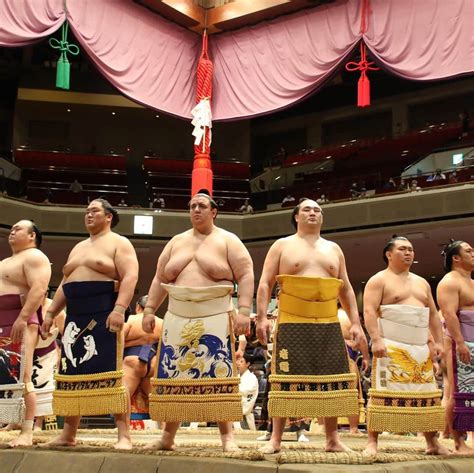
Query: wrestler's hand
pixel 463 353
pixel 18 329
pixel 46 326
pixel 148 323
pixel 115 321
pixel 379 349
pixel 438 351
pixel 357 336
pixel 241 323
pixel 264 329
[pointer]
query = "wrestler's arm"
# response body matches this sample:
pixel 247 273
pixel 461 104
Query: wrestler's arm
pixel 37 271
pixel 156 293
pixel 436 330
pixel 448 300
pixel 126 264
pixel 264 291
pixel 56 307
pixel 372 299
pixel 241 264
pixel 349 304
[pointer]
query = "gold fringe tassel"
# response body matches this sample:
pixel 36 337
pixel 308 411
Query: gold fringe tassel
pixel 405 419
pixel 313 404
pixel 206 408
pixel 84 401
pixel 90 403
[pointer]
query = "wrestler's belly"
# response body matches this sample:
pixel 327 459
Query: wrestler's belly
pixel 6 288
pixel 85 273
pixel 193 275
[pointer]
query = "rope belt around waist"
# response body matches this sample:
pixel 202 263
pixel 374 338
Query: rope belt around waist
pixel 323 311
pixel 200 309
pixel 403 333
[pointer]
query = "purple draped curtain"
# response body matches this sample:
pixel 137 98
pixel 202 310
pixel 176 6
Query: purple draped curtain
pixel 258 69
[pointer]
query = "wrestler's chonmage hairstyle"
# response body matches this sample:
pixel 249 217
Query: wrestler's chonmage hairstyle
pixel 450 250
pixel 205 193
pixel 38 234
pixel 142 301
pixel 295 212
pixel 390 244
pixel 109 210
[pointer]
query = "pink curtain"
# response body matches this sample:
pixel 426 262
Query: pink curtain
pixel 422 39
pixel 23 22
pixel 274 64
pixel 258 69
pixel 148 59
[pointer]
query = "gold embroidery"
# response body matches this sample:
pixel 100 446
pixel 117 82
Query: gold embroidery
pixel 64 364
pixel 191 333
pixel 284 354
pixel 405 369
pixel 284 366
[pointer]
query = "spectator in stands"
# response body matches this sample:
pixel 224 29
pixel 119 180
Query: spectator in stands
pixel 76 186
pixel 322 200
pixel 357 191
pixel 122 203
pixel 390 184
pixel 465 120
pixel 403 185
pixel 289 199
pixel 453 177
pixel 47 199
pixel 246 208
pixel 414 187
pixel 158 202
pixel 437 176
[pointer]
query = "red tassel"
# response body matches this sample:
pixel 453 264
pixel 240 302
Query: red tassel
pixel 363 91
pixel 363 86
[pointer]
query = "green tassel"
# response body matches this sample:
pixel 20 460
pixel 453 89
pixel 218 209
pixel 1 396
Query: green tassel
pixel 63 67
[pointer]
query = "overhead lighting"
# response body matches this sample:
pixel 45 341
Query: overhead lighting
pixel 113 113
pixel 68 110
pixel 157 116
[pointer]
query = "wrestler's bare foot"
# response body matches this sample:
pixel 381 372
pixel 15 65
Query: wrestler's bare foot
pixel 160 445
pixel 10 427
pixel 123 444
pixel 271 447
pixel 370 450
pixel 336 446
pixel 59 441
pixel 25 439
pixel 438 449
pixel 230 446
pixel 463 449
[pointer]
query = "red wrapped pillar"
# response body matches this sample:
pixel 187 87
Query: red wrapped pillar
pixel 202 121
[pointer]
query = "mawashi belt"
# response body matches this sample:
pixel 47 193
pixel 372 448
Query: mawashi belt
pixel 403 333
pixel 323 311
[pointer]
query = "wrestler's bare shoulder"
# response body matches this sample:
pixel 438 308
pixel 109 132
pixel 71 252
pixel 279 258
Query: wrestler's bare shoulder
pixel 418 280
pixel 33 256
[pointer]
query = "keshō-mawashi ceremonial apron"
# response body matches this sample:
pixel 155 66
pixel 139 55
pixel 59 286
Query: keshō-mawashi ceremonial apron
pixel 89 379
pixel 310 375
pixel 464 376
pixel 45 361
pixel 196 377
pixel 404 396
pixel 12 361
